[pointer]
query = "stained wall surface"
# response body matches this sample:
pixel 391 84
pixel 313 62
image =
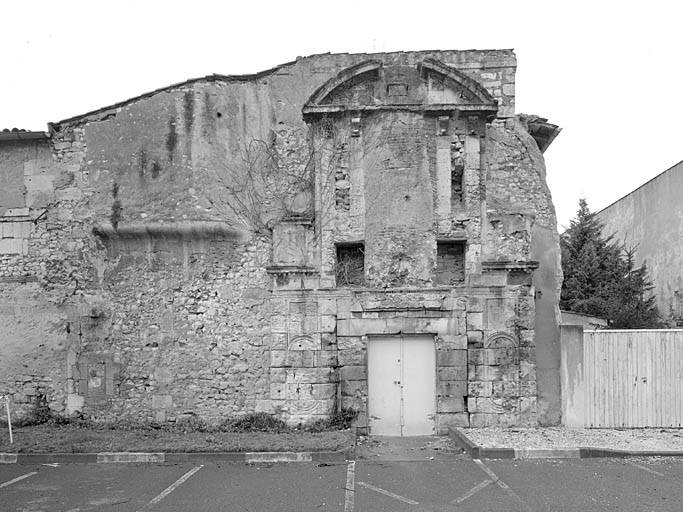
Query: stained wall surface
pixel 183 250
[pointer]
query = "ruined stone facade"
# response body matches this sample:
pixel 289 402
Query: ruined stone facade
pixel 234 244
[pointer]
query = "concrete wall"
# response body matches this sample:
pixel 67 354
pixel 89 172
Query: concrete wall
pixel 168 291
pixel 572 375
pixel 651 219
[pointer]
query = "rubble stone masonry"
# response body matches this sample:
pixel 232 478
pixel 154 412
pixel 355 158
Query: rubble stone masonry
pixel 176 254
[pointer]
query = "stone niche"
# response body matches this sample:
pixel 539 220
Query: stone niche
pixel 293 243
pixel 93 379
pixel 294 255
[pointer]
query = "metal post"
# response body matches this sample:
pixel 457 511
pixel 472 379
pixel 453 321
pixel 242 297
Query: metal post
pixel 9 420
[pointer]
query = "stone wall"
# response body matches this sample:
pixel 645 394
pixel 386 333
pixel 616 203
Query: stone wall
pixel 521 220
pixel 192 340
pixel 169 291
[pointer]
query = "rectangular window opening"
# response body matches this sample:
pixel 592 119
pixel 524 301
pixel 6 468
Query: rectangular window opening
pixel 355 126
pixel 450 262
pixel 444 125
pixel 457 173
pixel 350 266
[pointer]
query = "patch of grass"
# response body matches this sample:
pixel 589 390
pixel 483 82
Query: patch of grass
pixel 255 422
pixel 251 432
pixel 73 439
pixel 39 413
pixel 338 421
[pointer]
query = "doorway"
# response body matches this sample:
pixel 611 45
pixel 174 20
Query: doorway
pixel 402 385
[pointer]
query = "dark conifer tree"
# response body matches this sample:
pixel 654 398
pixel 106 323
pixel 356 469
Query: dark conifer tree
pixel 600 277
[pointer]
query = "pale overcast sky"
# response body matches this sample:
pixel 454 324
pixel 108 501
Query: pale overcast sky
pixel 610 73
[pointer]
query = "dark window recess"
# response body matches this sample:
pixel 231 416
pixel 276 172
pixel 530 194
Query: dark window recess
pixel 444 122
pixel 457 173
pixel 350 268
pixel 355 127
pixel 450 262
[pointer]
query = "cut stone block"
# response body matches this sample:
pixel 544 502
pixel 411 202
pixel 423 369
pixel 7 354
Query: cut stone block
pixel 309 375
pixel 475 321
pixel 452 373
pixel 451 357
pixel 480 389
pixel 352 357
pixel 493 356
pixel 328 323
pixel 445 420
pixel 450 404
pixel 452 387
pixel 453 341
pixel 353 373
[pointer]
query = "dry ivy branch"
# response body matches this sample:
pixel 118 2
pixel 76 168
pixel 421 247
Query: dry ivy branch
pixel 265 180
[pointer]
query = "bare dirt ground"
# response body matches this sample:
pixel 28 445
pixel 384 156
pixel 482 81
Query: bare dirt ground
pixel 660 439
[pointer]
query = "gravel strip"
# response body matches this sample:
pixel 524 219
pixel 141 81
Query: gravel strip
pixel 659 439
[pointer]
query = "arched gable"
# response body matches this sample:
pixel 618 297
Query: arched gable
pixel 457 80
pixel 345 76
pixel 373 85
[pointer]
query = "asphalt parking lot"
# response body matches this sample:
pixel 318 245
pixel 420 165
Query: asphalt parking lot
pixel 446 483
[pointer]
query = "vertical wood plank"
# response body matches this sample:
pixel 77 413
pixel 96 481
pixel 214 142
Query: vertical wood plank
pixel 632 378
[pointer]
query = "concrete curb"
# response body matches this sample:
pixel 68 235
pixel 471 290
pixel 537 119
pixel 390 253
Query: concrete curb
pixel 158 457
pixel 479 452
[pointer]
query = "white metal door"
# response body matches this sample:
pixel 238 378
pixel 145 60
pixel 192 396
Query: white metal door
pixel 401 385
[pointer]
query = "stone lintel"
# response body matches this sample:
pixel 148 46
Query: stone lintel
pixel 509 265
pixel 290 269
pixel 305 220
pixel 488 111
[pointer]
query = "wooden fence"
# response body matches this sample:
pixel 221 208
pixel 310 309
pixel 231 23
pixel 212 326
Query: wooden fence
pixel 622 378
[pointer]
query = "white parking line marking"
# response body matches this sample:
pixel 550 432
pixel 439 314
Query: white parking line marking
pixel 350 486
pixel 172 487
pixel 501 484
pixel 388 493
pixel 645 468
pixel 18 479
pixel 474 490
